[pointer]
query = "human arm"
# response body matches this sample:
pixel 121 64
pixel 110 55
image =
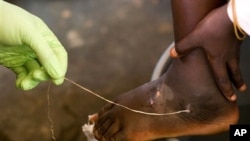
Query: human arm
pixel 20 28
pixel 215 35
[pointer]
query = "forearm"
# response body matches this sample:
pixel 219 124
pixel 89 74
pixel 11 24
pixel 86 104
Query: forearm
pixel 188 13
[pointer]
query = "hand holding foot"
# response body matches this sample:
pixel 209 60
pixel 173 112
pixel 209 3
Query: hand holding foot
pixel 216 36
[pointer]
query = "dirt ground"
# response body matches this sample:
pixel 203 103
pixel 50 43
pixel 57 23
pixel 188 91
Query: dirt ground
pixel 113 46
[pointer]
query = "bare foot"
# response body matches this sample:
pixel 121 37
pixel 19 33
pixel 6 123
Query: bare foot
pixel 186 84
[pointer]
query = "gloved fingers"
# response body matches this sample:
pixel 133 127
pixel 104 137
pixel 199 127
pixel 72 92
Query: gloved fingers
pixel 54 44
pixel 63 59
pixel 52 41
pixel 58 81
pixel 24 74
pixel 21 73
pixel 40 74
pixel 57 48
pixel 186 45
pixel 236 75
pixel 220 72
pixel 46 56
pixel 49 50
pixel 36 71
pixel 29 82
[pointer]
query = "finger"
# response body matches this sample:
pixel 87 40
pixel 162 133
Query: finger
pixel 187 44
pixel 173 53
pixel 40 74
pixel 220 71
pixel 57 48
pixel 37 72
pixel 45 54
pixel 235 75
pixel 21 73
pixel 28 81
pixel 58 81
pixel 24 81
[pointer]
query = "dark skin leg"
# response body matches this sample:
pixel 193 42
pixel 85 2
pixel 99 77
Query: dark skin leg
pixel 215 34
pixel 188 13
pixel 188 83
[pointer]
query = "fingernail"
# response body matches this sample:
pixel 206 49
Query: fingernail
pixel 233 97
pixel 243 88
pixel 173 52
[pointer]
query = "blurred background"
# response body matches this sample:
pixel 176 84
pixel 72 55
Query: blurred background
pixel 113 47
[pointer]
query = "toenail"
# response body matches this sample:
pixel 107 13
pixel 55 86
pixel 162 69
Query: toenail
pixel 158 94
pixel 93 118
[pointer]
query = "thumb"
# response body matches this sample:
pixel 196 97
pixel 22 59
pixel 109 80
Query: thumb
pixel 186 45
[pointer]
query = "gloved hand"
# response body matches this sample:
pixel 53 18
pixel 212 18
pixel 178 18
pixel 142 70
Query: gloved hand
pixel 29 48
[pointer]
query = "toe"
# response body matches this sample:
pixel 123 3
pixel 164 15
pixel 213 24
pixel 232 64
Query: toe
pixel 98 124
pixel 101 120
pixel 93 118
pixel 104 127
pixel 113 129
pixel 119 137
pixel 105 109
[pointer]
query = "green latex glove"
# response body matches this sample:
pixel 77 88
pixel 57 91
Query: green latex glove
pixel 29 48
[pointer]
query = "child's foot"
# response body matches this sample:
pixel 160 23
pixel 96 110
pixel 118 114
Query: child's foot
pixel 186 85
